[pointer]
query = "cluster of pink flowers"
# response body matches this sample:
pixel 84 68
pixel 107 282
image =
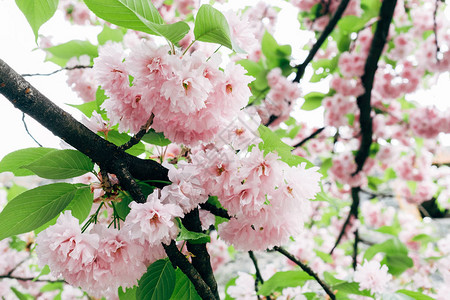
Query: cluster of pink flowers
pixel 191 99
pixel 77 12
pixel 428 122
pixel 103 259
pixel 337 108
pixel 372 276
pixel 81 80
pixel 343 168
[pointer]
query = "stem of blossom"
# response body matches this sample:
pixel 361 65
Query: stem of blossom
pixel 371 66
pixel 56 71
pixel 29 100
pixel 353 212
pixel 257 273
pixel 179 260
pixel 138 136
pixel 308 270
pixel 438 50
pixel 190 45
pixel 326 32
pixel 28 132
pixel 30 279
pixel 201 259
pixel 311 136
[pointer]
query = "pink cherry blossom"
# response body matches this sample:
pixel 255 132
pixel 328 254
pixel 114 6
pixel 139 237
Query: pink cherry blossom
pixel 372 276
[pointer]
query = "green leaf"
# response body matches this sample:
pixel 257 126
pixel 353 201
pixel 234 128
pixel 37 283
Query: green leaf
pixel 62 53
pixel 415 295
pixel 253 68
pixel 119 139
pixel 129 294
pixel 87 108
pixel 109 34
pixel 281 280
pixel 313 100
pixel 82 203
pixel 191 236
pixel 20 295
pixel 231 282
pixel 350 288
pixel 211 26
pixel 44 271
pixel 272 143
pixel 15 190
pixel 14 161
pixel 396 258
pixel 61 164
pixel 156 138
pixel 34 208
pixel 51 286
pixel 350 24
pixel 37 12
pixel 158 282
pixel 184 289
pixel 326 257
pixel 137 15
pixel 330 279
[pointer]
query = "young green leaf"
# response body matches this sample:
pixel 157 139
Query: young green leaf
pixel 61 54
pixel 158 282
pixel 415 295
pixel 156 138
pixel 137 15
pixel 61 164
pixel 191 236
pixel 211 26
pixel 184 289
pixel 109 34
pixel 313 100
pixel 281 280
pixel 37 12
pixel 34 208
pixel 82 203
pixel 128 294
pixel 350 288
pixel 14 161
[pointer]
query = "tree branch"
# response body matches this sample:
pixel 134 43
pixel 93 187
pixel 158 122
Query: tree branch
pixel 56 71
pixel 219 212
pixel 311 136
pixel 257 272
pixel 363 101
pixel 201 259
pixel 325 33
pixel 353 212
pixel 110 157
pixel 178 259
pixel 30 279
pixel 138 136
pixel 308 270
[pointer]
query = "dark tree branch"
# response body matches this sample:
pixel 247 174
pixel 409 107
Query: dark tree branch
pixel 201 259
pixel 353 212
pixel 56 71
pixel 326 32
pixel 219 212
pixel 110 157
pixel 28 132
pixel 363 101
pixel 257 272
pixel 355 249
pixel 179 260
pixel 435 30
pixel 138 136
pixel 308 270
pixel 311 136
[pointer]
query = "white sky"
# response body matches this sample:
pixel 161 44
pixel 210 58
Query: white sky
pixel 16 49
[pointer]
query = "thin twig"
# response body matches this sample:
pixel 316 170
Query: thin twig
pixel 26 129
pixel 57 71
pixel 326 32
pixel 31 279
pixel 311 136
pixel 308 270
pixel 257 272
pixel 438 50
pixel 353 212
pixel 138 136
